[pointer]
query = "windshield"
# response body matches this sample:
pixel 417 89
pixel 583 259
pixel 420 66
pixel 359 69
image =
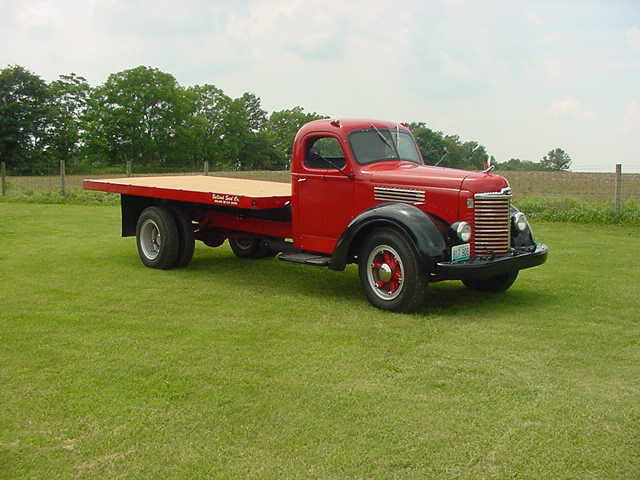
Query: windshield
pixel 377 144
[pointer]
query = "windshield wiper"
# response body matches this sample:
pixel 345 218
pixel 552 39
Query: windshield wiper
pixel 386 142
pixel 444 155
pixel 334 165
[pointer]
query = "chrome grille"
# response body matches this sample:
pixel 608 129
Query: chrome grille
pixel 388 194
pixel 492 223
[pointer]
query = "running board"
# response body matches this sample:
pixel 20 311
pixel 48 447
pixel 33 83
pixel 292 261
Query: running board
pixel 305 258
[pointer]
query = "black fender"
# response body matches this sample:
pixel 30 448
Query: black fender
pixel 131 206
pixel 520 238
pixel 428 241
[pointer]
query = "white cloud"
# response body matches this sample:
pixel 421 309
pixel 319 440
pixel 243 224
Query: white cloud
pixel 453 66
pixel 633 37
pixel 534 19
pixel 570 107
pixel 483 70
pixel 631 119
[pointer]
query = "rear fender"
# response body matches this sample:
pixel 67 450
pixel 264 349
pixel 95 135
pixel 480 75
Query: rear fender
pixel 427 240
pixel 131 207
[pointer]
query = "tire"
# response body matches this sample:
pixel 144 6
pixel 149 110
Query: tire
pixel 157 238
pixel 250 248
pixel 497 284
pixel 186 238
pixel 391 273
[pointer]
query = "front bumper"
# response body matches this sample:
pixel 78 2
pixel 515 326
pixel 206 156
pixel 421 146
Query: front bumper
pixel 485 267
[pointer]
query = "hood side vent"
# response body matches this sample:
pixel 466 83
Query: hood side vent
pixel 405 195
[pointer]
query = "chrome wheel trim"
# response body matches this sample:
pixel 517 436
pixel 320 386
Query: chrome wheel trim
pixel 150 239
pixel 384 272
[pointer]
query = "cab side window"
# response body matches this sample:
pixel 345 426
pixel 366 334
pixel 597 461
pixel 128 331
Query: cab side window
pixel 324 153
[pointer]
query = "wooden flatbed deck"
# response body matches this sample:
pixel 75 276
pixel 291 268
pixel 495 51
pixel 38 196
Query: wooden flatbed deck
pixel 231 192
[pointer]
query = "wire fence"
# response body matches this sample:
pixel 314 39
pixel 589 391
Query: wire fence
pixel 592 187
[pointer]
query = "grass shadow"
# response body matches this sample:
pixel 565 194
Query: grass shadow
pixel 278 276
pixel 452 298
pixel 449 298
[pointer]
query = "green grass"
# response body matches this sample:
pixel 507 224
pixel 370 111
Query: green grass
pixel 263 369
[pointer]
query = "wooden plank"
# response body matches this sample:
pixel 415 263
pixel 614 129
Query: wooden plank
pixel 201 183
pixel 242 193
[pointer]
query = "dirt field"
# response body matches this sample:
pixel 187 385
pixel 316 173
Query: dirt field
pixel 596 187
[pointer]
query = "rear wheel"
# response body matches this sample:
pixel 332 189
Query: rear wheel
pixel 496 284
pixel 186 238
pixel 157 238
pixel 391 274
pixel 249 248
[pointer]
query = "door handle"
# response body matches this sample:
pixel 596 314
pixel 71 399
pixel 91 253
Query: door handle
pixel 302 179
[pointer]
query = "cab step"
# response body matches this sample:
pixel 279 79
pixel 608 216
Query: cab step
pixel 305 258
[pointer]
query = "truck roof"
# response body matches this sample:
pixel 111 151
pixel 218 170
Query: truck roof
pixel 347 124
pixel 232 192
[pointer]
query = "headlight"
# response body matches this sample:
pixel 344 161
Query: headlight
pixel 462 230
pixel 520 221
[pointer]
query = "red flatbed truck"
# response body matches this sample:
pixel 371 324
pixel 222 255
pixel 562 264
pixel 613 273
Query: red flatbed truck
pixel 360 193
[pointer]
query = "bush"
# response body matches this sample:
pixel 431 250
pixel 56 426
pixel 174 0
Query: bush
pixel 73 197
pixel 577 211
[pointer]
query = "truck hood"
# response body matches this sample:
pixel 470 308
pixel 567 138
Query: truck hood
pixel 413 175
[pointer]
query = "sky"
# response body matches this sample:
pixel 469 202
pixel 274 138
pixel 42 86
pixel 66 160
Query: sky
pixel 520 77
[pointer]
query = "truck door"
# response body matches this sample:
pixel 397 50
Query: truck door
pixel 323 193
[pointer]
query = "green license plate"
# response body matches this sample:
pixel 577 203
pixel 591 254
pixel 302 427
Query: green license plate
pixel 460 252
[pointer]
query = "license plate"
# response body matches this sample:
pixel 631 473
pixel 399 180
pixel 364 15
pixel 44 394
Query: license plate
pixel 460 252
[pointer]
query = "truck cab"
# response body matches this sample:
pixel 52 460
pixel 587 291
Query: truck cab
pixel 360 193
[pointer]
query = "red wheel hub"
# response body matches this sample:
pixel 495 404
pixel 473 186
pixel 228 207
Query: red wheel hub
pixel 388 271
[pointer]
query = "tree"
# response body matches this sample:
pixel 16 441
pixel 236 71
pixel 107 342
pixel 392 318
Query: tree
pixel 430 142
pixel 137 115
pixel 433 145
pixel 67 106
pixel 210 115
pixel 23 118
pixel 255 116
pixel 517 164
pixel 283 126
pixel 466 155
pixel 259 153
pixel 557 159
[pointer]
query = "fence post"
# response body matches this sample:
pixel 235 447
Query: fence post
pixel 129 169
pixel 62 175
pixel 618 192
pixel 206 167
pixel 3 174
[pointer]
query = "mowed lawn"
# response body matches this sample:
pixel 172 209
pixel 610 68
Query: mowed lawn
pixel 263 369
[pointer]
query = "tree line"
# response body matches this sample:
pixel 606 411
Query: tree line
pixel 144 116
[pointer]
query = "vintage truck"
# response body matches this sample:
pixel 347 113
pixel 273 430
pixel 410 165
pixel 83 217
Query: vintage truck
pixel 360 193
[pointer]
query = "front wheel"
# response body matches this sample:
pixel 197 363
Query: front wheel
pixel 496 284
pixel 391 273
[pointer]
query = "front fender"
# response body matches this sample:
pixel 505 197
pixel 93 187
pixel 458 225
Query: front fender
pixel 418 226
pixel 518 238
